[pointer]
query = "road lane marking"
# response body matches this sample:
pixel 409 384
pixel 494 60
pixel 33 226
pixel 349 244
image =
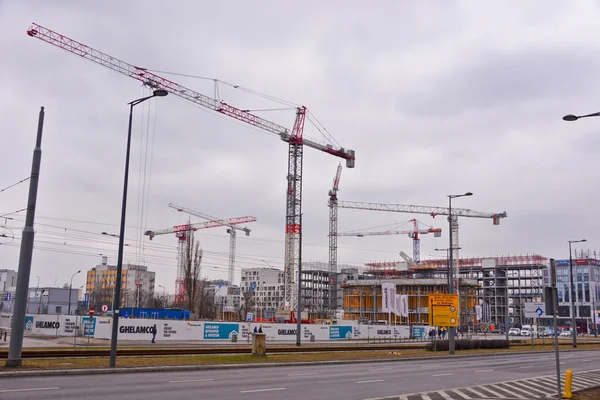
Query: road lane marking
pixel 371 381
pixel 304 374
pixel 261 390
pixel 527 366
pixel 27 390
pixel 484 370
pixel 193 380
pixel 446 374
pixel 586 360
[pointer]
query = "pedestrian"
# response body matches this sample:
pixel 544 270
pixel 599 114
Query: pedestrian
pixel 260 329
pixel 153 331
pixel 255 329
pixel 444 334
pixel 440 333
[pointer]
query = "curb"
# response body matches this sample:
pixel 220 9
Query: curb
pixel 175 368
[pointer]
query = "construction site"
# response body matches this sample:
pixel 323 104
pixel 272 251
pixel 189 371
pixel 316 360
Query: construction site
pixel 499 284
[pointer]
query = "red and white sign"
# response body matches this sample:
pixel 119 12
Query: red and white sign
pixel 104 308
pixel 92 312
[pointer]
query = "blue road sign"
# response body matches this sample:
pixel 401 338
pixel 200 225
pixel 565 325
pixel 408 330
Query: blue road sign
pixel 8 296
pixel 86 298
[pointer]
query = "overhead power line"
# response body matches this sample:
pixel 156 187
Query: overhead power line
pixel 15 184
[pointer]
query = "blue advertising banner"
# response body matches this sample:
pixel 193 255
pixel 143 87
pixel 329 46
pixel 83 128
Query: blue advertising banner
pixel 418 332
pixel 89 327
pixel 29 322
pixel 340 332
pixel 220 331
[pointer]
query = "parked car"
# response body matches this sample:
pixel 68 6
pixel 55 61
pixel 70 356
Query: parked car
pixel 525 332
pixel 544 332
pixel 566 333
pixel 514 332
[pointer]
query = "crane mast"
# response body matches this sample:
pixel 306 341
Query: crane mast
pixel 333 235
pixel 295 138
pixel 231 230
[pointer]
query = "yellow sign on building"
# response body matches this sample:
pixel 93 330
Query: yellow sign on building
pixel 443 309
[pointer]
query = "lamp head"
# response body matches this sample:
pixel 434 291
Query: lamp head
pixel 570 117
pixel 160 93
pixel 468 194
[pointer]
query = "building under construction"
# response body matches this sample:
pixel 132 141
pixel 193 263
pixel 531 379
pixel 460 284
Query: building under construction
pixel 492 282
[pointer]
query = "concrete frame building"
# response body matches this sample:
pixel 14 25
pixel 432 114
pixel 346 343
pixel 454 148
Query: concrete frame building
pixel 8 284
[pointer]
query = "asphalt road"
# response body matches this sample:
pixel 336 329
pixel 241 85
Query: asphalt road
pixel 347 382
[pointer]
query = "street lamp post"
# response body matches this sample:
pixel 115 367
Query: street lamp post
pixel 70 289
pixel 117 296
pixel 452 330
pixel 573 319
pixel 571 117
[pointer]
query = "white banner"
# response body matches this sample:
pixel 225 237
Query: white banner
pixel 388 297
pixel 401 307
pixel 479 313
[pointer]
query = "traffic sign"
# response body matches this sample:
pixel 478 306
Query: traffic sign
pixel 104 308
pixel 8 296
pixel 86 298
pixel 535 310
pixel 92 312
pixel 249 316
pixel 443 309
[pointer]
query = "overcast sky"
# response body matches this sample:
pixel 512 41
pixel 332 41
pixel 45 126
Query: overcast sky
pixel 436 98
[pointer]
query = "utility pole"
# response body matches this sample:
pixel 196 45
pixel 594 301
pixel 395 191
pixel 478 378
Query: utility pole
pixel 21 295
pixel 299 307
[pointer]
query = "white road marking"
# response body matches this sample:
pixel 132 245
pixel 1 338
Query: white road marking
pixel 485 370
pixel 261 390
pixel 527 366
pixel 27 390
pixel 586 360
pixel 371 381
pixel 304 374
pixel 446 374
pixel 193 380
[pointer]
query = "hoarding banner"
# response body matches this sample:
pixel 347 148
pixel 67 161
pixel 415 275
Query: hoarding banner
pixel 340 332
pixel 388 293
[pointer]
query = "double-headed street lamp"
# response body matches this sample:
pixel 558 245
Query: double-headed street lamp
pixel 573 320
pixel 452 330
pixel 117 298
pixel 70 288
pixel 448 261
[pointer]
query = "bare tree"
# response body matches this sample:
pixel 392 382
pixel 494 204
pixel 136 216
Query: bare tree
pixel 101 293
pixel 152 300
pixel 205 300
pixel 191 268
pixel 247 304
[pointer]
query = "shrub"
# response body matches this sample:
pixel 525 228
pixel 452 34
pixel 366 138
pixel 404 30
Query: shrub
pixel 466 344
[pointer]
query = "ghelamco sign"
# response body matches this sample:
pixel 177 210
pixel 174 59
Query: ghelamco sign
pixel 135 329
pixel 47 324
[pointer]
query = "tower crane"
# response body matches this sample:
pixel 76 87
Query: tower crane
pixel 232 230
pixel 333 227
pixel 433 211
pixel 182 232
pixel 412 233
pixel 295 139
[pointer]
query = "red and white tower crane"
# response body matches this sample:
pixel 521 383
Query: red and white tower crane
pixel 412 233
pixel 295 139
pixel 182 232
pixel 231 229
pixel 333 227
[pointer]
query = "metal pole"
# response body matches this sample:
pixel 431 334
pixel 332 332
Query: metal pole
pixel 451 330
pixel 25 255
pixel 593 291
pixel 117 296
pixel 573 319
pixel 299 308
pixel 554 320
pixel 37 290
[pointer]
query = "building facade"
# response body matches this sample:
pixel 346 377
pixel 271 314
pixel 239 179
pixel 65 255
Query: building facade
pixel 137 283
pixel 8 287
pixel 53 300
pixel 586 279
pixel 266 286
